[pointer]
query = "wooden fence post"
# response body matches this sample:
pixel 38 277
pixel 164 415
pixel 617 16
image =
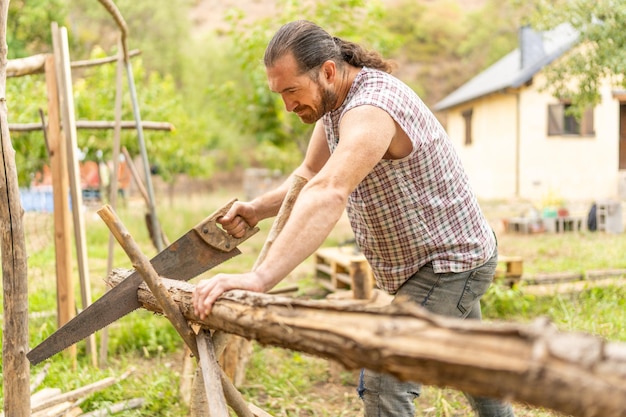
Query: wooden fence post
pixel 15 368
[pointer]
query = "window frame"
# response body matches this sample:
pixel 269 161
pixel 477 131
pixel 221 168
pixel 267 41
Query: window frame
pixel 560 123
pixel 467 119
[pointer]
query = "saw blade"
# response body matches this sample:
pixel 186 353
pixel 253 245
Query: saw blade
pixel 184 259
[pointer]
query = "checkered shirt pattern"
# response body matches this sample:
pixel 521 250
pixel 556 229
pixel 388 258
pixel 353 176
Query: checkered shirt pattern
pixel 419 209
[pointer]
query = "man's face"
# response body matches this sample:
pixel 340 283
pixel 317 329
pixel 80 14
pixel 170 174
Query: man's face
pixel 310 99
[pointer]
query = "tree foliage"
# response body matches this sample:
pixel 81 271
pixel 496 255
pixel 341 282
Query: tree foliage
pixel 182 151
pixel 28 25
pixel 159 100
pixel 601 56
pixel 246 100
pixel 158 28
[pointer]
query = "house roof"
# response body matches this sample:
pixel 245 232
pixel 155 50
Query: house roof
pixel 516 68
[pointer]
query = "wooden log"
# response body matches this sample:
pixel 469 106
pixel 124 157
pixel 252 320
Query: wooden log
pixel 35 64
pixel 56 410
pixel 553 278
pixel 258 412
pixel 544 290
pixel 79 392
pixel 44 395
pixel 15 366
pixel 211 375
pixel 596 274
pixel 24 66
pixel 116 408
pixel 533 363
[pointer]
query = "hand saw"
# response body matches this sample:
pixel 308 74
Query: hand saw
pixel 200 249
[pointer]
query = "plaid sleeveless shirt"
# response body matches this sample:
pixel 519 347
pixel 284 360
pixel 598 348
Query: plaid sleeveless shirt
pixel 418 209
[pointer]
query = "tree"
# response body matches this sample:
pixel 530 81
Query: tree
pixel 601 56
pixel 28 25
pixel 159 28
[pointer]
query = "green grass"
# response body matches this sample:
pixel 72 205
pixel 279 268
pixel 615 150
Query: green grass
pixel 283 382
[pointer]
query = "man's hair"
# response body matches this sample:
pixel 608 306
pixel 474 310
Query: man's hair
pixel 311 46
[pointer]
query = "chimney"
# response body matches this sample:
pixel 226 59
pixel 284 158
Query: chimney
pixel 530 46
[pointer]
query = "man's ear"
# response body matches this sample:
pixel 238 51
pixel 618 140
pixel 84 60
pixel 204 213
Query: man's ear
pixel 329 71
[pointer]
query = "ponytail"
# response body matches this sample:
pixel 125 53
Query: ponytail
pixel 311 46
pixel 355 55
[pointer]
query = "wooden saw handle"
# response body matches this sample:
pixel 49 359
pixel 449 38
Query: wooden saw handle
pixel 215 236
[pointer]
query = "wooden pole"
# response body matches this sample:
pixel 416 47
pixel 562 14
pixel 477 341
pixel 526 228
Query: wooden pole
pixel 60 195
pixel 15 366
pixel 69 129
pixel 211 374
pixel 35 64
pixel 104 334
pixel 96 125
pixel 155 227
pixel 573 373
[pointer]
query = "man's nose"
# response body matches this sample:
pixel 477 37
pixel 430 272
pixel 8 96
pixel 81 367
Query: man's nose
pixel 290 105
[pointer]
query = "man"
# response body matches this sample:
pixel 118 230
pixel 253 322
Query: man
pixel 379 153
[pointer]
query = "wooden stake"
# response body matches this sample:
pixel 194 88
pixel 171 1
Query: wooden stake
pixel 211 373
pixel 68 119
pixel 60 194
pixel 104 339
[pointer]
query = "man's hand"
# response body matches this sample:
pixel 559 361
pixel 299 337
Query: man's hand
pixel 209 290
pixel 240 217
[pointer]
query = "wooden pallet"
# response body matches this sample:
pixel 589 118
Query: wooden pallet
pixel 338 268
pixel 510 269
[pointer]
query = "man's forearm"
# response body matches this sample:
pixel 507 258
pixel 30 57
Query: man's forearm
pixel 314 215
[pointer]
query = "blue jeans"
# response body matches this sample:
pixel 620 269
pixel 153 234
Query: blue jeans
pixel 449 294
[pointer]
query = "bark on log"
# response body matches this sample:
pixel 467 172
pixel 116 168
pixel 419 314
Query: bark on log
pixel 533 363
pixel 15 369
pixel 35 64
pixel 25 66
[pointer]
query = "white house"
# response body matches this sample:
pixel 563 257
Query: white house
pixel 515 139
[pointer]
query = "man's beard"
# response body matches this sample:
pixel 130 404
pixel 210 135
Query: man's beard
pixel 326 104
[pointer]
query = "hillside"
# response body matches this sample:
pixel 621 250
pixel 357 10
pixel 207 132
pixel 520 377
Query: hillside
pixel 440 77
pixel 209 15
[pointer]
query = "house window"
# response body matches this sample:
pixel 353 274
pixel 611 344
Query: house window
pixel 561 123
pixel 467 117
